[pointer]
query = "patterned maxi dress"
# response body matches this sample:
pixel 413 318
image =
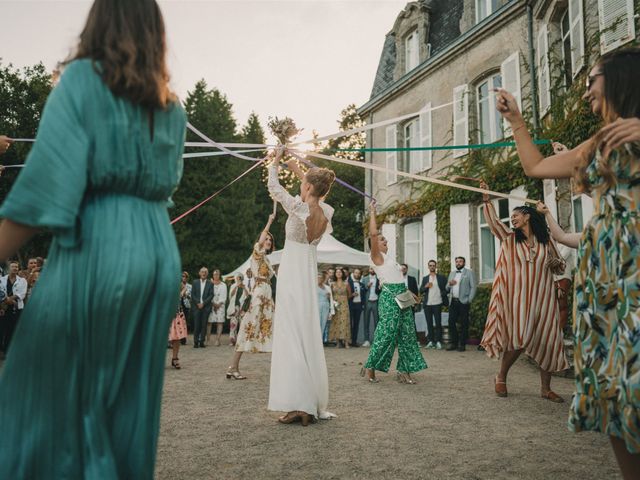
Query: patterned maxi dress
pixel 523 310
pixel 256 327
pixel 340 328
pixel 606 320
pixel 81 388
pixel 395 326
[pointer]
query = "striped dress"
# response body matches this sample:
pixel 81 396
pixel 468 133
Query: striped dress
pixel 523 311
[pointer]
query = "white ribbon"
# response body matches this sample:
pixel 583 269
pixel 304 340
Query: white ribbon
pixel 218 153
pixel 219 146
pixel 228 145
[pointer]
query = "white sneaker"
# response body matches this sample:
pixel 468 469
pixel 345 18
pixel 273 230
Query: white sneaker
pixel 430 345
pixel 438 345
pixel 366 344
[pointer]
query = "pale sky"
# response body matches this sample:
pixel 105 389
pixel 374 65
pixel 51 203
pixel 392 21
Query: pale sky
pixel 306 59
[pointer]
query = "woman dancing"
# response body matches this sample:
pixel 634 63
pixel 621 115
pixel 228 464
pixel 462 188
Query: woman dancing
pixel 81 388
pixel 606 317
pixel 396 326
pixel 299 383
pixel 523 310
pixel 256 326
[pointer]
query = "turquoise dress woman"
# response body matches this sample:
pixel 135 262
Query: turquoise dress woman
pixel 81 387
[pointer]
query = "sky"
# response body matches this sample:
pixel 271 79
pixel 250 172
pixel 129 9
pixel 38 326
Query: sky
pixel 306 59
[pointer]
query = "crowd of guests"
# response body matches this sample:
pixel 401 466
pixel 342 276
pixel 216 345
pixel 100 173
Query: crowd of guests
pixel 16 285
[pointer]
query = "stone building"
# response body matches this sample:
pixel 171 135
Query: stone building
pixel 438 66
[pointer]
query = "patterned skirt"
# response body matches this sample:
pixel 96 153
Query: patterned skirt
pixel 256 327
pixel 395 327
pixel 178 328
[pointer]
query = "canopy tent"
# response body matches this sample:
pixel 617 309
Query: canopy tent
pixel 330 251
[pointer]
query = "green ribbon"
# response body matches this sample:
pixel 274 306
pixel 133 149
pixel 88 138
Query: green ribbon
pixel 450 147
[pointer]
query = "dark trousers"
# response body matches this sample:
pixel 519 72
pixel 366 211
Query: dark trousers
pixel 458 312
pixel 200 318
pixel 370 310
pixel 431 313
pixel 355 312
pixel 8 324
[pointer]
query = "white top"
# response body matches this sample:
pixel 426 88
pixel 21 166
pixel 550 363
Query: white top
pixel 373 296
pixel 19 289
pixel 455 290
pixel 219 293
pixel 298 211
pixel 358 294
pixel 389 271
pixel 202 285
pixel 435 297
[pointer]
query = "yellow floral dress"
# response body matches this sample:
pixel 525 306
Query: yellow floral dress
pixel 340 328
pixel 606 319
pixel 256 328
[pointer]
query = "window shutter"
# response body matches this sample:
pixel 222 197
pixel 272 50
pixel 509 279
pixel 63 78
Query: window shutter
pixel 576 35
pixel 510 70
pixel 617 25
pixel 460 119
pixel 426 156
pixel 542 63
pixel 392 156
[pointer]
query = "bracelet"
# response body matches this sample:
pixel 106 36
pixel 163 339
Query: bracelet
pixel 518 128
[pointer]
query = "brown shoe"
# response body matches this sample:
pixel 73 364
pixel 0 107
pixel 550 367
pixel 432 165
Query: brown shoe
pixel 500 387
pixel 552 396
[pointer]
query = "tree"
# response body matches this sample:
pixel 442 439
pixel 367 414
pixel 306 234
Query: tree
pixel 23 93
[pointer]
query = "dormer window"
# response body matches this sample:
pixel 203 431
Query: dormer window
pixel 411 51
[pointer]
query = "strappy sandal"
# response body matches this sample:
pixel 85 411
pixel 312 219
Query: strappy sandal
pixel 234 374
pixel 500 387
pixel 296 416
pixel 552 396
pixel 175 364
pixel 405 378
pixel 363 371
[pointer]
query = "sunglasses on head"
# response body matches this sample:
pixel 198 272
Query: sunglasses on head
pixel 590 79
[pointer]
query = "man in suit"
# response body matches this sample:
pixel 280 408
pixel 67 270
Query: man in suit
pixel 461 288
pixel 15 289
pixel 412 285
pixel 356 303
pixel 201 295
pixel 434 288
pixel 372 289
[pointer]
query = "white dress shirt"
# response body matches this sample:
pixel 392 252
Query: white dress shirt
pixel 373 296
pixel 455 291
pixel 202 285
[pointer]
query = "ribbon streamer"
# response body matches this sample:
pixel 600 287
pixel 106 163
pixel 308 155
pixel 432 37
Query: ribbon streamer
pixel 423 178
pixel 11 166
pixel 444 147
pixel 218 153
pixel 22 139
pixel 229 145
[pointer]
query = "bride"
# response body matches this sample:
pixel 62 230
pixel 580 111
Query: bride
pixel 299 383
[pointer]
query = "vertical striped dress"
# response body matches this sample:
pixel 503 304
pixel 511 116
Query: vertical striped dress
pixel 523 311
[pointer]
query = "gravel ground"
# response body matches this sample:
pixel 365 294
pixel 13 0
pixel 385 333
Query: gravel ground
pixel 450 425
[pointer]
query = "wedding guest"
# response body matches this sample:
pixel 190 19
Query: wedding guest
pixel 412 285
pixel 250 282
pixel 606 344
pixel 356 303
pixel 340 330
pixel 106 158
pixel 218 307
pixel 331 274
pixel 256 326
pixel 324 302
pixel 31 282
pixel 185 301
pixel 434 290
pixel 177 332
pixel 201 295
pixel 372 293
pixel 15 288
pixel 461 288
pixel 396 325
pixel 237 297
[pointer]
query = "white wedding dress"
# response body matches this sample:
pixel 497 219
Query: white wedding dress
pixel 298 368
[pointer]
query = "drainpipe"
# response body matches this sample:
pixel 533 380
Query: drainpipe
pixel 532 63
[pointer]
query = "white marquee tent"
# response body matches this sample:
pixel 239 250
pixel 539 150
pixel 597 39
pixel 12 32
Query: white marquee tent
pixel 330 251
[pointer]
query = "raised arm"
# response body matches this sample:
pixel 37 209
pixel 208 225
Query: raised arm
pixel 264 235
pixel 376 255
pixel 277 191
pixel 295 168
pixel 495 225
pixel 559 235
pixel 534 164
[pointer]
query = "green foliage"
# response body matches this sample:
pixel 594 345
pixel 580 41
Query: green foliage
pixel 23 93
pixel 478 311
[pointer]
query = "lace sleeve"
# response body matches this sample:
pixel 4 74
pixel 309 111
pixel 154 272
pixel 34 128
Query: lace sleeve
pixel 328 213
pixel 280 194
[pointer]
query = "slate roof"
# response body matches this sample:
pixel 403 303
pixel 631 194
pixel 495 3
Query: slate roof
pixel 444 29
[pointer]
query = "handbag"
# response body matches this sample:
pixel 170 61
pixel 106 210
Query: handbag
pixel 404 299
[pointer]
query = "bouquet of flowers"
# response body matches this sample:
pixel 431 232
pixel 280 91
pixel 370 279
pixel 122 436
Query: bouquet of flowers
pixel 283 129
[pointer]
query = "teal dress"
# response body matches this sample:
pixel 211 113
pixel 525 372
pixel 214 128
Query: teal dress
pixel 81 387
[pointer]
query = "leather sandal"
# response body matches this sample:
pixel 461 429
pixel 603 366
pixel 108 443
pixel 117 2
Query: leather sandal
pixel 175 364
pixel 235 374
pixel 500 387
pixel 552 396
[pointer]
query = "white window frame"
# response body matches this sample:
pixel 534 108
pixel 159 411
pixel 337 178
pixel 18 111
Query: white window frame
pixel 494 115
pixel 411 51
pixel 576 34
pixel 489 8
pixel 416 243
pixel 411 139
pixel 496 241
pixel 391 141
pixel 609 12
pixel 510 71
pixel 566 36
pixel 426 137
pixel 543 74
pixel 461 119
